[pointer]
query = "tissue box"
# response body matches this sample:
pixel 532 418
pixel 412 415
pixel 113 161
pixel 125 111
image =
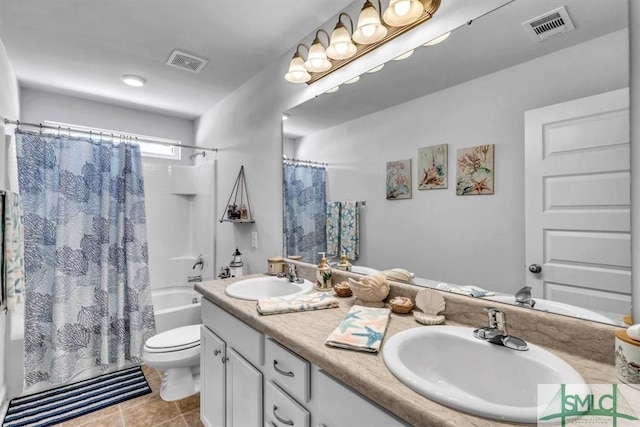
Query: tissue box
pixel 627 359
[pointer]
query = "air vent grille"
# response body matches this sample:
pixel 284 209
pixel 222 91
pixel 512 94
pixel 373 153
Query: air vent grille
pixel 186 61
pixel 549 25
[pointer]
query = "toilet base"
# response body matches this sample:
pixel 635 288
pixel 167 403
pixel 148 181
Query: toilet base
pixel 179 383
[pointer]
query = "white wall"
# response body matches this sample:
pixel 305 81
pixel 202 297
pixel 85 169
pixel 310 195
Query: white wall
pixel 436 234
pixel 9 107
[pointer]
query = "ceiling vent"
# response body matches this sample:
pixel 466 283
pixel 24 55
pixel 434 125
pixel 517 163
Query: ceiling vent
pixel 186 61
pixel 549 25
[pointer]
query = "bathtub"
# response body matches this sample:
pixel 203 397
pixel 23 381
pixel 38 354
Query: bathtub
pixel 176 306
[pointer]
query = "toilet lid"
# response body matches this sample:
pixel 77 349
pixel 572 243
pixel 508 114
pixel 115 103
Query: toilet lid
pixel 175 339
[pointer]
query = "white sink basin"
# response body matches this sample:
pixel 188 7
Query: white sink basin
pixel 558 308
pixel 265 287
pixel 448 365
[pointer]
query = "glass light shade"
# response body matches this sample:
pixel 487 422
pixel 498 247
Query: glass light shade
pixel 376 69
pixel 438 39
pixel 353 80
pixel 341 46
pixel 297 73
pixel 317 61
pixel 333 89
pixel 403 12
pixel 370 29
pixel 403 56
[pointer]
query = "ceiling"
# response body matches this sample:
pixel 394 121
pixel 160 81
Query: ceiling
pixel 493 42
pixel 82 47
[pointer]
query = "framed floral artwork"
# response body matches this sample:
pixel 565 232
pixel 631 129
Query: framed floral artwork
pixel 399 179
pixel 474 167
pixel 432 167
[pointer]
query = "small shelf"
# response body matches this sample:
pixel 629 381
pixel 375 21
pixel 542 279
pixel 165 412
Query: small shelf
pixel 238 207
pixel 237 220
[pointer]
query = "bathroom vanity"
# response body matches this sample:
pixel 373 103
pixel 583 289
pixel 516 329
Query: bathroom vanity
pixel 275 370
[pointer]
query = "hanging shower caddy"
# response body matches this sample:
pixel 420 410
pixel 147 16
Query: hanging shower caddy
pixel 238 208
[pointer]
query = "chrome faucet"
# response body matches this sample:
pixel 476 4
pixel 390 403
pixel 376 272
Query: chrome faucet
pixel 192 279
pixel 199 262
pixel 292 275
pixel 496 332
pixel 523 297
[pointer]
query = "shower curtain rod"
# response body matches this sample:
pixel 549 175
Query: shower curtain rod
pixel 40 126
pixel 309 162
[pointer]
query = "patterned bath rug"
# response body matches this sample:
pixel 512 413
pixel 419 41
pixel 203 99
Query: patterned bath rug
pixel 64 403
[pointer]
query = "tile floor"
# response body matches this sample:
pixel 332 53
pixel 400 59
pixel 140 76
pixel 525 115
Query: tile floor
pixel 145 411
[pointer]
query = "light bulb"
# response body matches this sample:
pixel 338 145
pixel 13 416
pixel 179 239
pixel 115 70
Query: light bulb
pixel 401 8
pixel 368 30
pixel 341 48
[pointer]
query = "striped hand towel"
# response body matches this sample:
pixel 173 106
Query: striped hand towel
pixel 362 329
pixel 294 303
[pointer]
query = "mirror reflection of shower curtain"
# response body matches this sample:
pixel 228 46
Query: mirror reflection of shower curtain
pixel 87 293
pixel 305 211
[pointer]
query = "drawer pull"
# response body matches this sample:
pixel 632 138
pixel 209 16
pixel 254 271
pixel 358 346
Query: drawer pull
pixel 280 371
pixel 272 424
pixel 216 352
pixel 282 420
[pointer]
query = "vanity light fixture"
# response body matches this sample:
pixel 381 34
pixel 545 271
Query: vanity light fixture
pixel 353 80
pixel 317 60
pixel 370 29
pixel 437 40
pixel 133 80
pixel 333 90
pixel 403 56
pixel 403 12
pixel 297 72
pixel 374 28
pixel 341 46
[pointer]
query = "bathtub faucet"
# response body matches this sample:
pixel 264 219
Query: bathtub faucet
pixel 192 279
pixel 199 262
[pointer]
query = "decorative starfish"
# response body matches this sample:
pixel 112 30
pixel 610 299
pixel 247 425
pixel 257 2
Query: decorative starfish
pixel 480 185
pixel 373 336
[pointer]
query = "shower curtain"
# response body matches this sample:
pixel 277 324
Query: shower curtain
pixel 87 294
pixel 305 211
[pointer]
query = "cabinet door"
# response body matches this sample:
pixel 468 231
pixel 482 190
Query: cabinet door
pixel 244 392
pixel 212 395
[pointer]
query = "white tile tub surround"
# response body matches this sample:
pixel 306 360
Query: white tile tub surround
pixel 175 307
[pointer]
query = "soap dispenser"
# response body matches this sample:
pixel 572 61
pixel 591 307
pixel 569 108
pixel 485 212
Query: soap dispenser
pixel 323 274
pixel 344 263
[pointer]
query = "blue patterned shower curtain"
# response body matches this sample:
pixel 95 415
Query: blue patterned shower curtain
pixel 305 211
pixel 87 294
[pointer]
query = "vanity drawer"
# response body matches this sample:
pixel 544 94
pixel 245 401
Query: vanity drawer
pixel 288 370
pixel 281 410
pixel 238 335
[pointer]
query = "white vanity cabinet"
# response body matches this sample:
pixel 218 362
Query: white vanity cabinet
pixel 252 380
pixel 231 391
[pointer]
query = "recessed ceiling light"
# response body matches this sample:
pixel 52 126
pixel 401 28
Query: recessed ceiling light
pixel 437 40
pixel 376 69
pixel 333 89
pixel 403 56
pixel 133 80
pixel 353 80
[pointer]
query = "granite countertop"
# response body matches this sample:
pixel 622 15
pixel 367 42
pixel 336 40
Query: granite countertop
pixel 305 333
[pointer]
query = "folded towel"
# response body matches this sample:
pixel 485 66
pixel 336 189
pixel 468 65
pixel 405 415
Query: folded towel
pixel 362 329
pixel 294 303
pixel 474 291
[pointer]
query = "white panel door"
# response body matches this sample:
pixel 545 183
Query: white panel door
pixel 212 391
pixel 577 202
pixel 244 392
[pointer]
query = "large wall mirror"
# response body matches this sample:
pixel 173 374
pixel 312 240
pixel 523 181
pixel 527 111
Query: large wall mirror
pixel 488 84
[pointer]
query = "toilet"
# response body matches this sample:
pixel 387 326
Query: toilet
pixel 176 353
